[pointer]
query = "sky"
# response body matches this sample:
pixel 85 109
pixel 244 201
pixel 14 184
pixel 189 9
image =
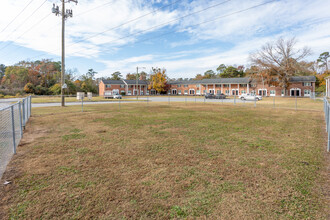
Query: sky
pixel 186 37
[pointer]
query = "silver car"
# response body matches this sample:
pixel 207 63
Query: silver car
pixel 250 97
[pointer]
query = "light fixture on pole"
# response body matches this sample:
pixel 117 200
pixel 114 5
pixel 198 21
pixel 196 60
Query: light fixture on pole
pixel 65 14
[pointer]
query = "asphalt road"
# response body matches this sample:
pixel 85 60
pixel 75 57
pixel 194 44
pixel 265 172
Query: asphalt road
pixel 150 99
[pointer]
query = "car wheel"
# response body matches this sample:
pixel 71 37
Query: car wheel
pixel 257 99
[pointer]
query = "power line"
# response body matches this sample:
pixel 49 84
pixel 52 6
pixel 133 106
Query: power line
pixel 28 30
pixel 17 16
pixel 113 28
pixel 198 24
pixel 85 12
pixel 27 19
pixel 168 22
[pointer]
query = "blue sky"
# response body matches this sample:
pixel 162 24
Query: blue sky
pixel 186 37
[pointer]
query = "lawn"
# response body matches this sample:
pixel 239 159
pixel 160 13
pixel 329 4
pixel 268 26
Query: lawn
pixel 168 161
pixel 57 99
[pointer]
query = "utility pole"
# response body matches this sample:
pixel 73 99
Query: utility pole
pixel 65 14
pixel 137 80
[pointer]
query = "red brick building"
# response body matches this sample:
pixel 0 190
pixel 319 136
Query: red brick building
pixel 302 86
pixel 126 87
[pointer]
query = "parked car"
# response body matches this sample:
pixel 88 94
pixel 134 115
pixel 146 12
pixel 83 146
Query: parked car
pixel 250 97
pixel 220 96
pixel 209 96
pixel 117 96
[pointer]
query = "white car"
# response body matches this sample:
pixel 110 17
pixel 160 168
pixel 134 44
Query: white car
pixel 117 96
pixel 250 97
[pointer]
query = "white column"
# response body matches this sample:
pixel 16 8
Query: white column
pixel 221 88
pixel 207 88
pixel 230 89
pixel 238 88
pixel 247 88
pixel 213 88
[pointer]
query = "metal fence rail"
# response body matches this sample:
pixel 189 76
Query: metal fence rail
pixel 13 118
pixel 327 120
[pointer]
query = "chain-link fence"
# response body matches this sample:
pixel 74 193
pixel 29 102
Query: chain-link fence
pixel 327 119
pixel 13 118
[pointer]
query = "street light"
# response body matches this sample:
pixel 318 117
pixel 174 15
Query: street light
pixel 137 78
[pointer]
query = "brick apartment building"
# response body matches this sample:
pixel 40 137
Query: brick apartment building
pixel 302 86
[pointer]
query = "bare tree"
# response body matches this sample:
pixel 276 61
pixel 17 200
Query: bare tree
pixel 279 61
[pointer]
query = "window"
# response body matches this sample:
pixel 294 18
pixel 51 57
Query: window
pixel 225 85
pixel 129 92
pixel 186 92
pixel 217 85
pixel 282 92
pixel 179 92
pixel 227 92
pixel 307 92
pixel 272 86
pixel 242 85
pixel 131 86
pixel 253 85
pixel 243 92
pixel 107 86
pixel 307 84
pixel 272 92
pixel 122 86
pixel 198 85
pixel 178 85
pixel 204 91
pixel 185 86
pixel 122 92
pixel 218 91
pixel 198 92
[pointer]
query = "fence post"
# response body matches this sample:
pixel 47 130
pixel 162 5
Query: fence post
pixel 235 99
pixel 328 146
pixel 119 105
pixel 274 102
pixel 24 119
pixel 30 105
pixel 255 101
pixel 20 118
pixel 13 127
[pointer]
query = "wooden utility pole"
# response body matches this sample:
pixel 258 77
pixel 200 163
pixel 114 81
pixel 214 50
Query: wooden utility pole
pixel 65 14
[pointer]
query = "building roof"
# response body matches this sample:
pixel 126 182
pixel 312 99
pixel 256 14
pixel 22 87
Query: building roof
pixel 125 81
pixel 113 82
pixel 303 79
pixel 211 81
pixel 133 82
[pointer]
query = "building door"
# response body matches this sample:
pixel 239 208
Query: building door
pixel 234 92
pixel 262 92
pixel 174 92
pixel 192 92
pixel 295 92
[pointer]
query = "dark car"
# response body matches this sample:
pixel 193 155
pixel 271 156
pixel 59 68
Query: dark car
pixel 220 96
pixel 209 96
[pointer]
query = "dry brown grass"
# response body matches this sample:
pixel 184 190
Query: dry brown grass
pixel 160 161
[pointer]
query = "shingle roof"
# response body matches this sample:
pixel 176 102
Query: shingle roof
pixel 121 82
pixel 113 82
pixel 211 81
pixel 133 82
pixel 303 79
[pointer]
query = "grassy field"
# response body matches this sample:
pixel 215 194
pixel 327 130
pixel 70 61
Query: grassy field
pixel 55 99
pixel 168 161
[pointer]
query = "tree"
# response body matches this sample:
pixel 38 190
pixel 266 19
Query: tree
pixel 280 60
pixel 323 59
pixel 55 89
pixel 221 68
pixel 29 88
pixel 131 76
pixel 209 74
pixel 199 77
pixel 2 71
pixel 158 80
pixel 232 72
pixel 116 76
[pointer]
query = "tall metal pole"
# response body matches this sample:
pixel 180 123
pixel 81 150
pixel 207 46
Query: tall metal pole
pixel 63 53
pixel 137 75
